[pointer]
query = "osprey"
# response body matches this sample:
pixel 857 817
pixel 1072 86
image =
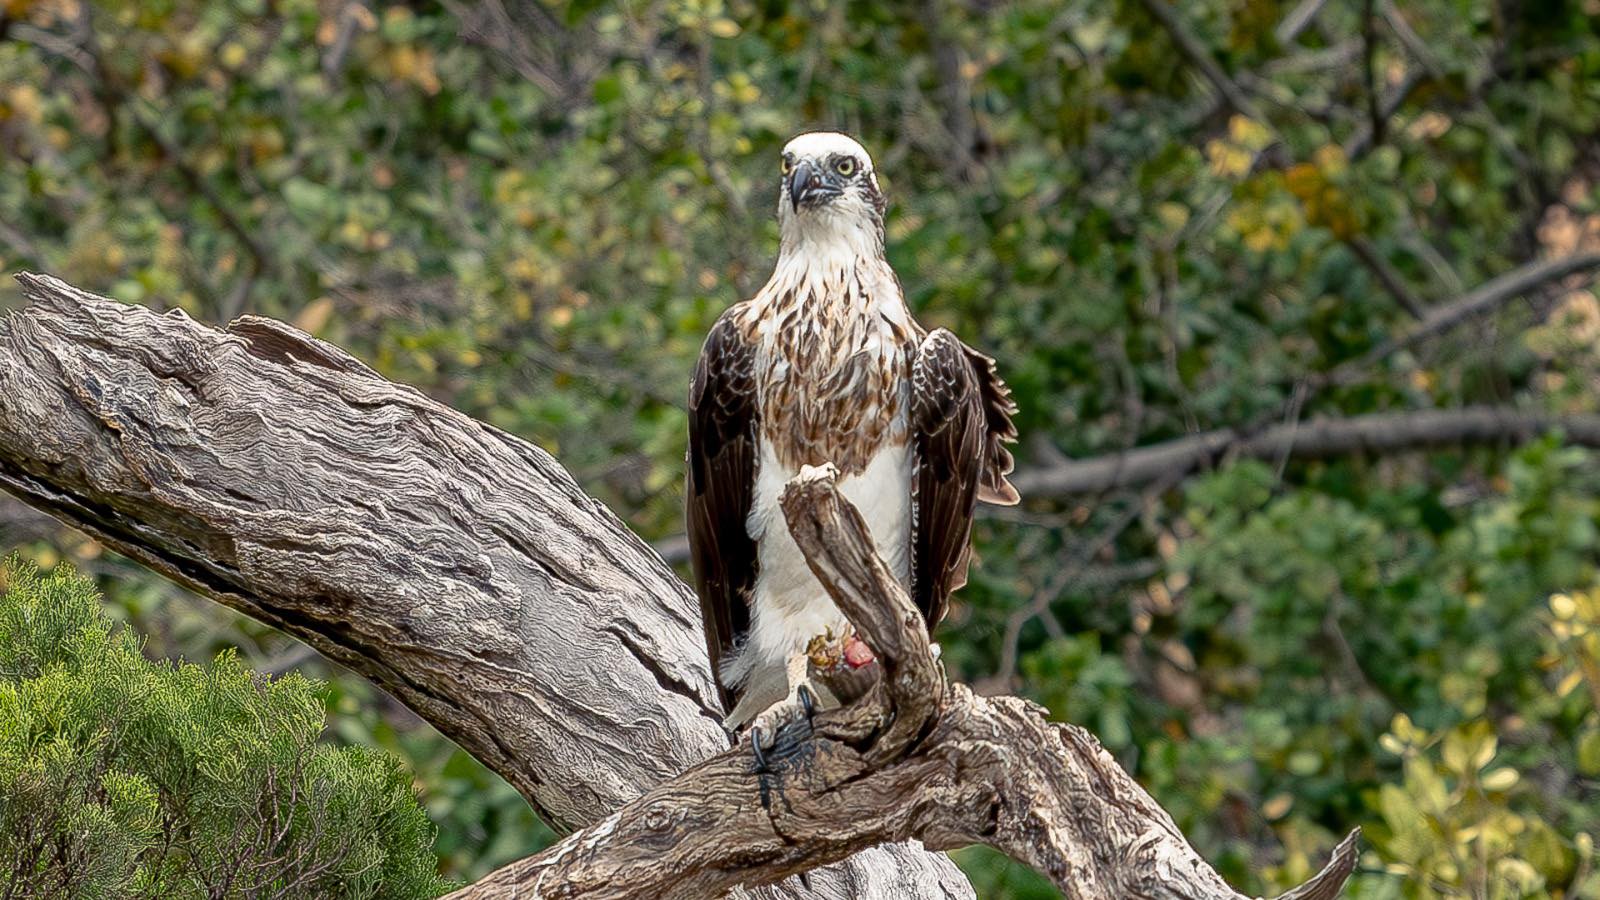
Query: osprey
pixel 825 365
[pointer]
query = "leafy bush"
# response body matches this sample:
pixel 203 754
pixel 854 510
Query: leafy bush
pixel 1403 667
pixel 124 777
pixel 1486 808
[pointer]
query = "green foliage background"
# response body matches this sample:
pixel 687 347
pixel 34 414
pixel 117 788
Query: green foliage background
pixel 126 778
pixel 535 211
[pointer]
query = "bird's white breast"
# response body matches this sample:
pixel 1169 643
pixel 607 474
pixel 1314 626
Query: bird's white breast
pixel 834 340
pixel 789 606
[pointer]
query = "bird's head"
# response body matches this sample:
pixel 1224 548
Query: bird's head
pixel 829 192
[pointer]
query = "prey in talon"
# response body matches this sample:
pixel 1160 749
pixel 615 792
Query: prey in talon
pixel 825 366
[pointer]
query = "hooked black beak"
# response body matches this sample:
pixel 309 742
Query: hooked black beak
pixel 810 186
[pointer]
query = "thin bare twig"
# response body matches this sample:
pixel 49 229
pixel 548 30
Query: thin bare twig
pixel 1039 605
pixel 1304 12
pixel 1386 275
pixel 1362 142
pixel 1486 297
pixel 1200 57
pixel 1378 122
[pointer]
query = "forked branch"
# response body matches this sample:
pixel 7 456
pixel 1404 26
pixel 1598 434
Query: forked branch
pixel 915 757
pixel 457 566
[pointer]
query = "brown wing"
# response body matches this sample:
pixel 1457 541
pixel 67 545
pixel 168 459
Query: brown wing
pixel 960 420
pixel 720 484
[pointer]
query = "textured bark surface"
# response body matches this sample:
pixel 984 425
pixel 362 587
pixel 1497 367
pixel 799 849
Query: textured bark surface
pixel 459 567
pixel 916 757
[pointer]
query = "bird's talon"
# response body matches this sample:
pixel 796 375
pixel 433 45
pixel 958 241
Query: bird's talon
pixel 808 701
pixel 800 706
pixel 760 757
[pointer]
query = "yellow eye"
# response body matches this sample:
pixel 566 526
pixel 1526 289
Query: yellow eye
pixel 784 165
pixel 845 167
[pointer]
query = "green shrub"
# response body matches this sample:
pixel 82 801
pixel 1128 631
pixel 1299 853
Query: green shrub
pixel 1430 672
pixel 1503 808
pixel 126 777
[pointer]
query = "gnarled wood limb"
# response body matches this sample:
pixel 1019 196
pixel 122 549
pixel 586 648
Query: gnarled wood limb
pixel 459 567
pixel 916 757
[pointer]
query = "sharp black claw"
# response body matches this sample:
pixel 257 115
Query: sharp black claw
pixel 808 701
pixel 756 751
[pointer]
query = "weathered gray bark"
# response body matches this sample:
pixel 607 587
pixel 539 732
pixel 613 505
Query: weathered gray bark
pixel 458 566
pixel 916 757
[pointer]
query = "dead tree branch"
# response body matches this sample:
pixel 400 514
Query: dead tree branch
pixel 1378 433
pixel 915 757
pixel 1485 298
pixel 459 567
